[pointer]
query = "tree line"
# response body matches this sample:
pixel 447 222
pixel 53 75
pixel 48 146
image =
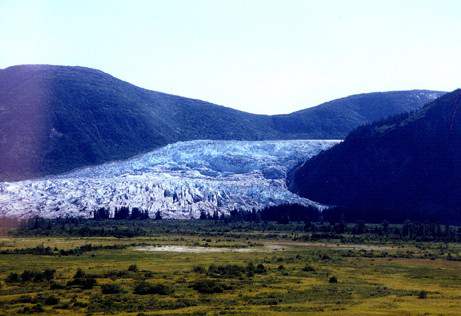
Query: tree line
pixel 282 214
pixel 124 213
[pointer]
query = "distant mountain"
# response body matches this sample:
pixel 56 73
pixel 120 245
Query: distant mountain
pixel 405 167
pixel 56 118
pixel 335 119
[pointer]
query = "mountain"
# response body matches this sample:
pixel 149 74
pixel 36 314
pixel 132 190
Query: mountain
pixel 335 119
pixel 405 167
pixel 56 118
pixel 180 180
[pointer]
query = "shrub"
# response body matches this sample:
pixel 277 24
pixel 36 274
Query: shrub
pixel 333 279
pixel 148 274
pixel 35 276
pixel 82 280
pixel 38 277
pixel 145 288
pixel 260 268
pixel 250 268
pixel 199 269
pixel 13 277
pixel 79 274
pixel 110 289
pixel 27 275
pixel 133 268
pixel 48 274
pixel 207 286
pixel 51 300
pixel 308 268
pixel 228 270
pixel 37 308
pixel 116 274
pixel 85 283
pixel 281 267
pixel 79 304
pixel 56 286
pixel 422 294
pixel 324 257
pixel 24 299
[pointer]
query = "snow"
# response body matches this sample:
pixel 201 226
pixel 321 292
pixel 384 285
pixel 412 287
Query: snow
pixel 180 180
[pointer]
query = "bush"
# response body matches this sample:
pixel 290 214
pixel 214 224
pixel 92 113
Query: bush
pixel 51 300
pixel 250 268
pixel 228 270
pixel 333 279
pixel 110 289
pixel 148 274
pixel 133 268
pixel 37 308
pixel 308 268
pixel 27 275
pixel 56 286
pixel 79 274
pixel 199 269
pixel 207 286
pixel 13 277
pixel 82 280
pixel 116 274
pixel 422 294
pixel 38 277
pixel 79 304
pixel 35 276
pixel 85 283
pixel 48 274
pixel 260 268
pixel 145 288
pixel 24 299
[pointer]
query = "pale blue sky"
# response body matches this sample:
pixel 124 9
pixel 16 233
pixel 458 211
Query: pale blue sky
pixel 258 56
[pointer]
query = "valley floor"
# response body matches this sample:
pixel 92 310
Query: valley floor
pixel 276 276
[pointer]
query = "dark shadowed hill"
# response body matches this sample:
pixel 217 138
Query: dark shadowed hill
pixel 57 118
pixel 405 167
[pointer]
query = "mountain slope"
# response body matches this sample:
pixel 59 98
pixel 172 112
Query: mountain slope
pixel 408 166
pixel 55 118
pixel 335 119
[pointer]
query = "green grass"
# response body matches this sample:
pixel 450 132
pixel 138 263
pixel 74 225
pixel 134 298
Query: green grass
pixel 369 283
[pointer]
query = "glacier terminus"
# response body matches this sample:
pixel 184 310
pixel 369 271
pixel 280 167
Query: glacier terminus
pixel 180 180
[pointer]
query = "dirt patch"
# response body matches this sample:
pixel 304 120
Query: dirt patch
pixel 269 247
pixel 197 249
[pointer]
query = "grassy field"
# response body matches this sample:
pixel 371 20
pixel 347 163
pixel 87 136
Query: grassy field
pixel 267 276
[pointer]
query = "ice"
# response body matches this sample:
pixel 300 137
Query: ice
pixel 180 180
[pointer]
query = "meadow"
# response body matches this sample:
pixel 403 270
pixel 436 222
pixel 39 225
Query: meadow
pixel 258 272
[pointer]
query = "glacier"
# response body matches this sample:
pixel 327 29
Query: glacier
pixel 180 180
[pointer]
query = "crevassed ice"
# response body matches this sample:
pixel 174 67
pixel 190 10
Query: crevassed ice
pixel 180 180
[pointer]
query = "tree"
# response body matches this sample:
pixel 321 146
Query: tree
pixel 122 213
pixel 101 214
pixel 385 227
pixel 203 215
pixel 360 228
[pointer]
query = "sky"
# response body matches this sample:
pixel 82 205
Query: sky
pixel 260 56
